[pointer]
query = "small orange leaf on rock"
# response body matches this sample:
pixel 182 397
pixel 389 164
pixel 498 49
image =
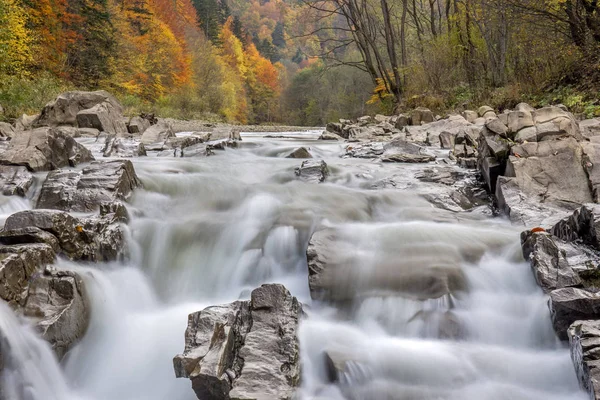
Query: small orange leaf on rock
pixel 79 228
pixel 538 229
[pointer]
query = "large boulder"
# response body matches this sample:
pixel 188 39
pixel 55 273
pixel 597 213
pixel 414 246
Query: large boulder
pixel 97 238
pixel 312 171
pixel 84 191
pixel 18 263
pixel 44 149
pixel 15 180
pixel 103 117
pixel 429 133
pixel 244 350
pixel 58 305
pixel 157 134
pixel 421 115
pixel 64 109
pixel 584 340
pixel 568 305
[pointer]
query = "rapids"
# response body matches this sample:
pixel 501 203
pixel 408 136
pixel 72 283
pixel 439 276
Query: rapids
pixel 207 231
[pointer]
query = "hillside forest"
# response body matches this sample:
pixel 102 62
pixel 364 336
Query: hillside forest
pixel 301 62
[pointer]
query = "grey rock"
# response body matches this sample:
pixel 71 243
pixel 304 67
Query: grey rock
pixel 334 127
pixel 25 122
pixel 568 305
pixel 104 117
pixel 421 115
pixel 402 121
pixel 313 171
pixel 6 130
pixel 584 340
pixel 138 125
pixel 64 109
pixel 403 151
pixel 447 140
pixel 470 115
pixel 58 305
pixel 18 263
pixel 30 234
pixel 329 136
pixel 124 148
pixel 84 191
pixel 44 149
pixel 590 127
pixel 15 180
pixel 244 350
pixel 518 120
pixel 364 150
pixel 485 110
pixel 497 127
pixel 158 133
pixel 528 134
pixel 300 152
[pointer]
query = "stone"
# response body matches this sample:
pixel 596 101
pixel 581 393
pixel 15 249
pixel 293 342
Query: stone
pixel 584 340
pixel 403 151
pixel 300 152
pixel 517 120
pixel 329 136
pixel 364 150
pixel 18 263
pixel 470 116
pixel 104 117
pixel 84 191
pixel 157 134
pixel 25 122
pixel 98 238
pixel 58 305
pixel 484 111
pixel 6 130
pixel 555 122
pixel 123 148
pixel 551 172
pixel 590 127
pixel 244 350
pixel 29 234
pixel 568 305
pixel 528 134
pixel 379 119
pixel 334 127
pixel 44 149
pixel 64 109
pixel 497 127
pixel 313 171
pixel 365 120
pixel 15 181
pixel 402 121
pixel 444 175
pixel 421 115
pixel 138 125
pixel 524 107
pixel 447 140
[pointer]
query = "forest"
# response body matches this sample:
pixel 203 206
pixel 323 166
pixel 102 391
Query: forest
pixel 301 62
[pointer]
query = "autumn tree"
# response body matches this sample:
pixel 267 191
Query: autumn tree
pixel 15 39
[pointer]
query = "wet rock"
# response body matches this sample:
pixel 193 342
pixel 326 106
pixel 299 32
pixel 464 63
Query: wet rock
pixel 197 150
pixel 44 149
pixel 329 136
pixel 64 109
pixel 402 151
pixel 157 134
pixel 367 133
pixel 138 125
pixel 18 263
pixel 98 238
pixel 6 130
pixel 312 171
pixel 84 191
pixel 584 340
pixel 568 305
pixel 444 175
pixel 334 127
pixel 301 152
pixel 58 305
pixel 30 234
pixel 124 148
pixel 364 150
pixel 447 140
pixel 15 181
pixel 421 115
pixel 244 350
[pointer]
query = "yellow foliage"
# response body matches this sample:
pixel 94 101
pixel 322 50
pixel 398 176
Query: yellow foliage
pixel 15 39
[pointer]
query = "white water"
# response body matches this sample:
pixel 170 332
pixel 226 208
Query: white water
pixel 209 230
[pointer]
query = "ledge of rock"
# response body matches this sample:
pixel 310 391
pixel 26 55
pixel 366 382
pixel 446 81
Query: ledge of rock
pixel 44 149
pixel 84 191
pixel 58 305
pixel 244 350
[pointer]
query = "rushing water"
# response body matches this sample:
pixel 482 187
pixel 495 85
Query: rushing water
pixel 208 230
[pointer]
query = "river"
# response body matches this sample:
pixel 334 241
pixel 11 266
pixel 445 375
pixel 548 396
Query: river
pixel 207 231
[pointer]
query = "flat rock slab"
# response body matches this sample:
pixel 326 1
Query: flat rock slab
pixel 85 191
pixel 44 149
pixel 14 180
pixel 244 350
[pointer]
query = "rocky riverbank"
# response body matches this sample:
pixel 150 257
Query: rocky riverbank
pixel 73 162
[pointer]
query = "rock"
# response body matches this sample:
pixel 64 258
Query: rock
pixel 334 127
pixel 584 340
pixel 124 148
pixel 527 135
pixel 568 305
pixel 380 119
pixel 555 123
pixel 582 226
pixel 157 134
pixel 447 140
pixel 15 181
pixel 329 136
pixel 551 172
pixel 429 133
pixel 402 121
pixel 365 150
pixel 84 191
pixel 6 130
pixel 83 239
pixel 30 234
pixel 244 350
pixel 104 117
pixel 235 134
pixel 18 263
pixel 370 133
pixel 445 175
pixel 64 109
pixel 364 121
pixel 402 151
pixel 497 127
pixel 25 122
pixel 421 115
pixel 518 120
pixel 138 125
pixel 524 107
pixel 336 274
pixel 313 171
pixel 58 305
pixel 590 127
pixel 300 152
pixel 486 111
pixel 44 149
pixel 470 116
